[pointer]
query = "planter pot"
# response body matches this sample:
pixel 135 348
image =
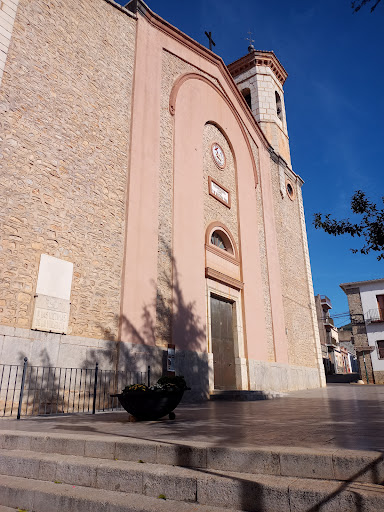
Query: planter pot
pixel 150 405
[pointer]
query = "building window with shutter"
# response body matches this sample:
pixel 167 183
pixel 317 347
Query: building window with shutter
pixel 380 306
pixel 380 349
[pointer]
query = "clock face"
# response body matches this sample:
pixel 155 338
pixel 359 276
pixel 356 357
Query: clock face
pixel 218 155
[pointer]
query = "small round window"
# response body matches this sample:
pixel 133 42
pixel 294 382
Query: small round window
pixel 290 190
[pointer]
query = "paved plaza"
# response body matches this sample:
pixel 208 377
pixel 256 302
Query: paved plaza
pixel 339 416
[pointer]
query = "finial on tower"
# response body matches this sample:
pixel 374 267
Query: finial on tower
pixel 250 47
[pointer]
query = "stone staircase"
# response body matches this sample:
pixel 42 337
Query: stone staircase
pixel 92 473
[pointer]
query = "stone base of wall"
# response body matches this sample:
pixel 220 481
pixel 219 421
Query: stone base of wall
pixel 379 377
pixel 277 377
pixel 48 349
pixel 56 350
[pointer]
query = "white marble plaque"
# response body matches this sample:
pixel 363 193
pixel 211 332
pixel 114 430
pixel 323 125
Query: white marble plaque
pixel 219 192
pixel 51 314
pixel 55 277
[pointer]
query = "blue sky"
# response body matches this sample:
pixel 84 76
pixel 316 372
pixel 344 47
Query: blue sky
pixel 334 102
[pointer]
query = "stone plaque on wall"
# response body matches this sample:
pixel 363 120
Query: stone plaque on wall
pixel 52 299
pixel 219 192
pixel 51 314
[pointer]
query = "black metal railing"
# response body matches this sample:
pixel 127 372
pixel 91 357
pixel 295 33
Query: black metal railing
pixel 41 390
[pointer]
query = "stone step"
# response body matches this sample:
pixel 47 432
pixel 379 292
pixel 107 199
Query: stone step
pixel 220 493
pixel 41 496
pixel 243 396
pixel 325 464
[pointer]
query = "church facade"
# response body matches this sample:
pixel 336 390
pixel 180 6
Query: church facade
pixel 148 203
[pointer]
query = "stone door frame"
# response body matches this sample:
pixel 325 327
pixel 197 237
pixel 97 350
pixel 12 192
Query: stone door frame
pixel 227 293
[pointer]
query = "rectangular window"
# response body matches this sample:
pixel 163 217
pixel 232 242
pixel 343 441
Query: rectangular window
pixel 380 349
pixel 380 305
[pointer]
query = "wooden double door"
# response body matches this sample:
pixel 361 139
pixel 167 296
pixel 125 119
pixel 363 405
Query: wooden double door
pixel 223 343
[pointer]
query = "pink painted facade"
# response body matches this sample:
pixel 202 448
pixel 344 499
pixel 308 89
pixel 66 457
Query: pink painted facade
pixel 206 94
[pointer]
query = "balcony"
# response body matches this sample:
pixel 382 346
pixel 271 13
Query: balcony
pixel 374 315
pixel 331 342
pixel 325 301
pixel 328 321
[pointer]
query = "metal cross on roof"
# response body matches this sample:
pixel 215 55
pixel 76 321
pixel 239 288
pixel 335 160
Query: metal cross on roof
pixel 250 46
pixel 250 37
pixel 211 41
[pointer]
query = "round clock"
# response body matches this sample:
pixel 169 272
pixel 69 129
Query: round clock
pixel 218 155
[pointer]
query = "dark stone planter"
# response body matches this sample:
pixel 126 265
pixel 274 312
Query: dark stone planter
pixel 150 405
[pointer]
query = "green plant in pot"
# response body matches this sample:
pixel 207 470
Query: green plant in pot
pixel 155 402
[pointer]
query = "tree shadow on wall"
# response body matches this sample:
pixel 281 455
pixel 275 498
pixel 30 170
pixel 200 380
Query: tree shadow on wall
pixel 146 343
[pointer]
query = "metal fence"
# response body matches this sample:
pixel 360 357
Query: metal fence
pixel 41 390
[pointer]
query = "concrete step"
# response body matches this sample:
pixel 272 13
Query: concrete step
pixel 325 464
pixel 42 496
pixel 218 492
pixel 243 396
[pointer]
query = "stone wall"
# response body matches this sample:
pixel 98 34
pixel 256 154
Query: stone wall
pixel 65 105
pixel 320 321
pixel 214 210
pixel 359 333
pixel 299 306
pixel 379 377
pixel 263 259
pixel 55 350
pixel 278 377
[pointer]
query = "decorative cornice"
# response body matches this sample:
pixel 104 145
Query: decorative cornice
pixel 275 157
pixel 222 278
pixel 222 254
pixel 258 58
pixel 364 348
pixel 119 7
pixel 356 284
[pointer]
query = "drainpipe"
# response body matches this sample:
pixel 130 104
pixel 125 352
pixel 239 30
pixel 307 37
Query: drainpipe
pixel 365 366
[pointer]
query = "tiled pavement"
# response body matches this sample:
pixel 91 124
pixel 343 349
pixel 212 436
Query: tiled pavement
pixel 339 416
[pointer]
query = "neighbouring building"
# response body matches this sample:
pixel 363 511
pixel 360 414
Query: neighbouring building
pixel 347 341
pixel 337 358
pixel 148 202
pixel 366 308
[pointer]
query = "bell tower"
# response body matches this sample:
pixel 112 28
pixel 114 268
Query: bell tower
pixel 260 78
